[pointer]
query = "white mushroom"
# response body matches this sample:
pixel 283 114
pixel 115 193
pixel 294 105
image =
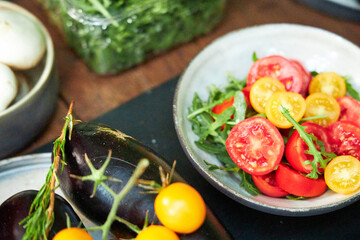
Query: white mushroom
pixel 22 43
pixel 8 86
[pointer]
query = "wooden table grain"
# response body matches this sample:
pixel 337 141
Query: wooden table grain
pixel 94 95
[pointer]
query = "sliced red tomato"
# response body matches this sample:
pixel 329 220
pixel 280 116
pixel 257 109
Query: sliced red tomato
pixel 246 92
pixel 349 109
pixel 297 184
pixel 268 186
pixel 305 74
pixel 279 68
pixel 220 108
pixel 255 145
pixel 295 147
pixel 344 138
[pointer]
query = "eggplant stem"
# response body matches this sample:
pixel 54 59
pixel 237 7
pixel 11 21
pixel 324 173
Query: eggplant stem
pixel 97 175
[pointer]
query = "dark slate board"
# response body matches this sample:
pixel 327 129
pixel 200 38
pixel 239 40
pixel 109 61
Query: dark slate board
pixel 149 119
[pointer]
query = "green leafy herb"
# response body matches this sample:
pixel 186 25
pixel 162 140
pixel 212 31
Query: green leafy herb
pixel 293 197
pixel 309 140
pixel 41 216
pixel 246 181
pixel 213 129
pixel 254 57
pixel 115 35
pixel 350 90
pixel 314 73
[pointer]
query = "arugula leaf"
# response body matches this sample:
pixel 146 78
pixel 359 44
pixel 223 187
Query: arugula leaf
pixel 308 139
pixel 350 90
pixel 240 107
pixel 246 180
pixel 220 119
pixel 234 84
pixel 254 57
pixel 248 184
pixel 213 129
pixel 293 197
pixel 314 73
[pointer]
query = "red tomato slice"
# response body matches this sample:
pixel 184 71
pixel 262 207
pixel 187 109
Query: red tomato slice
pixel 255 145
pixel 295 147
pixel 268 186
pixel 246 92
pixel 349 109
pixel 279 68
pixel 305 74
pixel 297 184
pixel 218 109
pixel 344 138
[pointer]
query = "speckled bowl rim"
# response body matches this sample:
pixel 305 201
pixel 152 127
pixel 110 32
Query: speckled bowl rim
pixel 49 61
pixel 247 201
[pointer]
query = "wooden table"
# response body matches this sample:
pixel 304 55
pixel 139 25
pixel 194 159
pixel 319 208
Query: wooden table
pixel 94 95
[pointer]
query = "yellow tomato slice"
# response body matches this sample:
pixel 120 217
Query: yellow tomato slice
pixel 330 83
pixel 262 90
pixel 342 174
pixel 294 102
pixel 322 104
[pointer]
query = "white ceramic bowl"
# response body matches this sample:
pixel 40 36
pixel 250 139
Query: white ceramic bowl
pixel 317 49
pixel 24 119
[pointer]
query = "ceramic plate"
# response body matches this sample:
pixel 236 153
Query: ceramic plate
pixel 28 173
pixel 317 49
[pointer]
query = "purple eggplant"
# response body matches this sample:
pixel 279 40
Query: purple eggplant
pixel 16 208
pixel 96 140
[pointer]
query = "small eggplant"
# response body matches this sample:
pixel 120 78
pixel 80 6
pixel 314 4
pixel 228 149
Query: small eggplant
pixel 16 208
pixel 96 140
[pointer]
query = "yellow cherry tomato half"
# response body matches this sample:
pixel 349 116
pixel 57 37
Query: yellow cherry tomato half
pixel 73 233
pixel 318 104
pixel 156 232
pixel 342 174
pixel 330 83
pixel 180 207
pixel 262 90
pixel 294 102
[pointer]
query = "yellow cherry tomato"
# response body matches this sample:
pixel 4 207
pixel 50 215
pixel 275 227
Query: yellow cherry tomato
pixel 157 232
pixel 180 207
pixel 294 102
pixel 330 83
pixel 262 90
pixel 342 174
pixel 322 104
pixel 73 233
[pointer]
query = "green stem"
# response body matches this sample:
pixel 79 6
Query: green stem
pixel 133 227
pixel 143 164
pixel 200 110
pixel 103 11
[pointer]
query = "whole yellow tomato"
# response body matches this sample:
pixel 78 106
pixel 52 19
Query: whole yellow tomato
pixel 73 233
pixel 156 232
pixel 180 207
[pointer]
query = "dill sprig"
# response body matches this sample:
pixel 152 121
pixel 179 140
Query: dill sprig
pixel 41 214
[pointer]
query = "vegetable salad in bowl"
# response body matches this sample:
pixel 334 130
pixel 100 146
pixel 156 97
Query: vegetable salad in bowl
pixel 278 127
pixel 282 127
